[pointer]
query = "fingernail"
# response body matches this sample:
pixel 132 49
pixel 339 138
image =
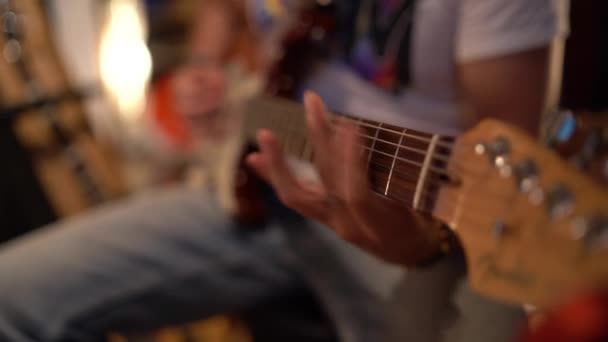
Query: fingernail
pixel 261 137
pixel 264 138
pixel 309 100
pixel 314 109
pixel 309 93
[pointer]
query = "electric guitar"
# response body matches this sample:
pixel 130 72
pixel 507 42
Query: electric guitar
pixel 532 226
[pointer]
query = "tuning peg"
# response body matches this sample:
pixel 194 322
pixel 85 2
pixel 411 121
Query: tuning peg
pixel 480 148
pixel 588 151
pixel 526 175
pixel 499 147
pixel 8 20
pixel 593 231
pixel 498 151
pixel 560 201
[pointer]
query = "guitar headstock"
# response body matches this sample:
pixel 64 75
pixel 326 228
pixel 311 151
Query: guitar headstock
pixel 532 226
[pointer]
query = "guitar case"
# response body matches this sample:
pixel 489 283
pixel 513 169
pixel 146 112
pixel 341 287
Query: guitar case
pixel 54 167
pixel 23 203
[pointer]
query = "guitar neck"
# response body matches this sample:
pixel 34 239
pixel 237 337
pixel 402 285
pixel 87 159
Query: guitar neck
pixel 405 165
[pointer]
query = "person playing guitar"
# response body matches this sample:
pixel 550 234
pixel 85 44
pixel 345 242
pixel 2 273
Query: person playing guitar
pixel 174 256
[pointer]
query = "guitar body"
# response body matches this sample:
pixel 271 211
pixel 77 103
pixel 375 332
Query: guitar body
pixel 75 170
pixel 250 192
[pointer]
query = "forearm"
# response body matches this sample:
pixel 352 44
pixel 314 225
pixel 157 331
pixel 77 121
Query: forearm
pixel 512 88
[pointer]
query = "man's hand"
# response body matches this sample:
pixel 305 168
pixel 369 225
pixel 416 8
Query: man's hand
pixel 344 200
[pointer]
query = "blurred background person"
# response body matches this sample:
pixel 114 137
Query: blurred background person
pixel 200 261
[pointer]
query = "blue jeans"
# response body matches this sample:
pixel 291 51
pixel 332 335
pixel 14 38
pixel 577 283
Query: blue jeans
pixel 173 256
pixel 162 257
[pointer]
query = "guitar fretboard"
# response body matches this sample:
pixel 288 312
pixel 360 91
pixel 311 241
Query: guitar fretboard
pixel 406 165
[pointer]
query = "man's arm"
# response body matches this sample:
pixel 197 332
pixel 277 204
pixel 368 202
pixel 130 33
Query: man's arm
pixel 511 88
pixel 502 60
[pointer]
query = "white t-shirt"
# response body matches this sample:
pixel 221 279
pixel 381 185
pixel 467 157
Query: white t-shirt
pixel 445 32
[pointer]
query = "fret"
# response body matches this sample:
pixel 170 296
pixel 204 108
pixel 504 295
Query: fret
pixel 374 140
pixel 384 156
pixel 395 156
pixel 424 172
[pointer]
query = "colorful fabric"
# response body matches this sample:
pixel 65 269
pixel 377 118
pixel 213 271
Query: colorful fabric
pixel 380 41
pixel 165 116
pixel 379 29
pixel 267 13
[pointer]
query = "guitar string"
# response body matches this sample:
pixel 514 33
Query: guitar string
pixel 296 109
pixel 397 191
pixel 361 123
pixel 431 170
pixel 434 192
pixel 400 147
pixel 400 186
pixel 450 198
pixel 410 178
pixel 407 176
pixel 357 121
pixel 432 201
pixel 404 195
pixel 403 175
pixel 405 160
pixel 469 218
pixel 473 208
pixel 437 155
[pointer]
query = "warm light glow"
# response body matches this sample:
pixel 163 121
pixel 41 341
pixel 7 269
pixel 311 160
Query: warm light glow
pixel 125 60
